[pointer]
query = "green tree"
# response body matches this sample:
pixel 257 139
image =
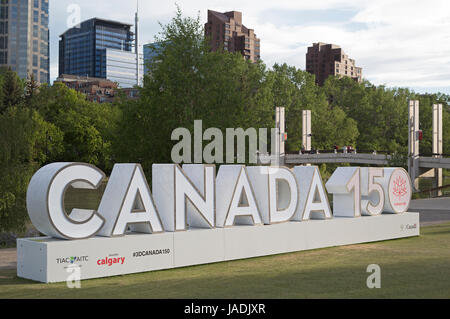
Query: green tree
pixel 296 91
pixel 23 135
pixel 31 89
pixel 426 121
pixel 12 89
pixel 187 82
pixel 88 128
pixel 380 113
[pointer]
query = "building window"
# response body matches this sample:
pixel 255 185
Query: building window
pixel 3 58
pixel 44 77
pixel 44 6
pixel 44 19
pixel 4 12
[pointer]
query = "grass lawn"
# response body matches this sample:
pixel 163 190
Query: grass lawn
pixel 410 268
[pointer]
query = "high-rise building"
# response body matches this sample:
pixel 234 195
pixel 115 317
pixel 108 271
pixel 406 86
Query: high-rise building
pixel 225 30
pixel 324 60
pixel 151 51
pixel 121 68
pixel 24 38
pixel 101 49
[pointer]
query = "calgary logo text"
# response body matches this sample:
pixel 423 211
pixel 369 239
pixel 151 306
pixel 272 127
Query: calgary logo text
pixel 110 261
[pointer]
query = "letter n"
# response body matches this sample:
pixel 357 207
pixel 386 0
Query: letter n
pixel 185 197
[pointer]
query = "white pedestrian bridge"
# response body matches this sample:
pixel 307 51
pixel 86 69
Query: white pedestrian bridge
pixel 338 158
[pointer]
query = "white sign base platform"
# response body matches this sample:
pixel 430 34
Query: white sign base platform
pixel 51 260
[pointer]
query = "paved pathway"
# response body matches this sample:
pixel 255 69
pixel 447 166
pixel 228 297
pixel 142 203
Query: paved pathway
pixel 8 258
pixel 432 212
pixel 432 204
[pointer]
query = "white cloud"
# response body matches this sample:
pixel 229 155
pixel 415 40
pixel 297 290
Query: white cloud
pixel 403 43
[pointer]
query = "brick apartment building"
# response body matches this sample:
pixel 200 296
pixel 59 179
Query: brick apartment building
pixel 225 30
pixel 324 60
pixel 96 89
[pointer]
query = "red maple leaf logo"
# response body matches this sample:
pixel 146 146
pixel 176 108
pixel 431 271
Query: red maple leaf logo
pixel 400 188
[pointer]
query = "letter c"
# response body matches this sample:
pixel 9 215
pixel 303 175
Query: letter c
pixel 45 200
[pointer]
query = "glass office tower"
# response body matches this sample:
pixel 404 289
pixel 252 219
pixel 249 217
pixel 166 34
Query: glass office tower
pixel 94 49
pixel 24 38
pixel 151 51
pixel 121 68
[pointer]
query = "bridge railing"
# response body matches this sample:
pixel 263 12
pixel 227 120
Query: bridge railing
pixel 436 190
pixel 340 151
pixel 433 154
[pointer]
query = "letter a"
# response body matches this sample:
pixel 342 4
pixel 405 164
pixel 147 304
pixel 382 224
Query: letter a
pixel 374 280
pixel 313 200
pixel 128 202
pixel 236 205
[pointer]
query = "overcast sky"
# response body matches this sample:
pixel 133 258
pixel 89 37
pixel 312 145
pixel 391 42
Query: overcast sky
pixel 398 43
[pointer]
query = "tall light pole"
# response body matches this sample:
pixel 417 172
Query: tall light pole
pixel 413 141
pixel 437 145
pixel 280 134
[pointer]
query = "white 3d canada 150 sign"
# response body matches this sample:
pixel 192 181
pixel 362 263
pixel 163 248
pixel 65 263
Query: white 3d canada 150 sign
pixel 235 213
pixel 193 196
